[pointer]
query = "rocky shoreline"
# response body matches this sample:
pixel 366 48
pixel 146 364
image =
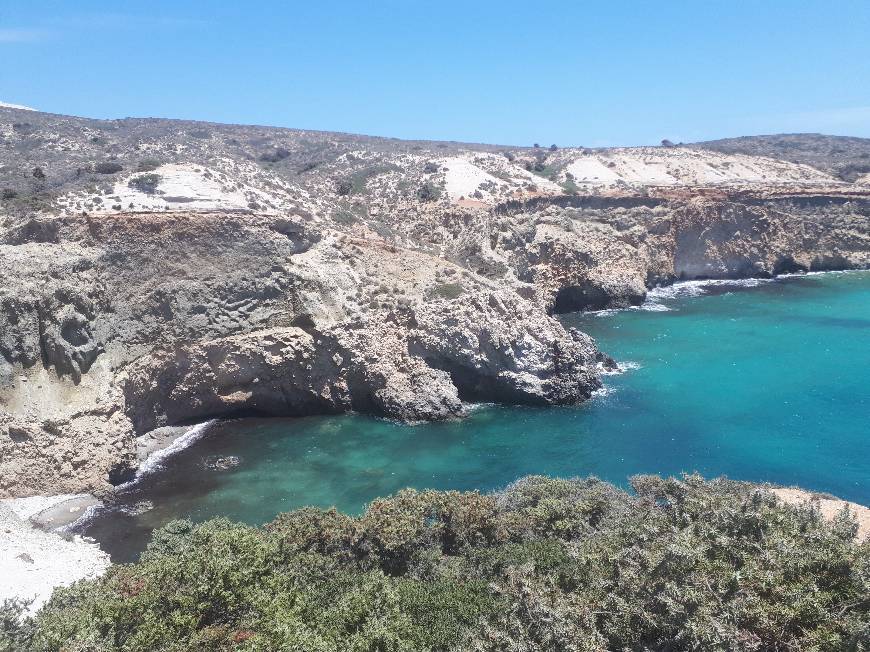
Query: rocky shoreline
pixel 281 272
pixel 130 323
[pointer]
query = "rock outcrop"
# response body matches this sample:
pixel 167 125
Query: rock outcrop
pixel 586 258
pixel 130 322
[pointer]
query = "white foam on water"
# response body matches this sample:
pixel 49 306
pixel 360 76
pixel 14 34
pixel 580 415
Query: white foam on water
pixel 476 407
pixel 685 289
pixel 833 272
pixel 652 306
pixel 87 515
pixel 154 462
pixel 603 391
pixel 607 312
pixel 621 368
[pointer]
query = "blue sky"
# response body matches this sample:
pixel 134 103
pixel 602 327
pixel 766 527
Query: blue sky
pixel 571 73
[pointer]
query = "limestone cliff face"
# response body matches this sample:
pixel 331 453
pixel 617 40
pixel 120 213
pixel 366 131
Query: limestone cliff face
pixel 580 258
pixel 129 322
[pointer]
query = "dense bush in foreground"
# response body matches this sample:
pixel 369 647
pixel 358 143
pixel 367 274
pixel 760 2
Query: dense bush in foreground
pixel 545 565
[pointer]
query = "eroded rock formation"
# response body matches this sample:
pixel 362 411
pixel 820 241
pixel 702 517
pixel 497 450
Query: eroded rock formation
pixel 132 322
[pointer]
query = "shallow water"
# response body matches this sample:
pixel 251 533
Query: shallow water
pixel 764 383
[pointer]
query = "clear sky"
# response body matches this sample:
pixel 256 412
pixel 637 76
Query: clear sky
pixel 571 73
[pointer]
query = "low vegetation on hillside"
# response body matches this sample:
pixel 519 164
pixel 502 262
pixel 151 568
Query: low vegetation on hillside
pixel 547 564
pixel 843 156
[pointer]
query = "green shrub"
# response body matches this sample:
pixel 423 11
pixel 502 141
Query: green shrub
pixel 344 187
pixel 359 179
pixel 546 564
pixel 279 154
pixel 428 192
pixel 108 167
pixel 146 183
pixel 16 631
pixel 148 165
pixel 448 290
pixel 570 186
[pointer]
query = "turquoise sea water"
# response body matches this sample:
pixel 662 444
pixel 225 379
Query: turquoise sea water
pixel 764 383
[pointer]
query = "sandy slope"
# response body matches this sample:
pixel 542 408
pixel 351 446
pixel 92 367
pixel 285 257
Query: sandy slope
pixel 657 166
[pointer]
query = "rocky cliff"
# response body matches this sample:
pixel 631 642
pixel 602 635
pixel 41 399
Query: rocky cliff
pixel 114 326
pixel 158 272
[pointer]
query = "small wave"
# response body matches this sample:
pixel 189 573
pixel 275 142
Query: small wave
pixel 90 512
pixel 686 289
pixel 653 306
pixel 607 312
pixel 138 508
pixel 476 407
pixel 699 288
pixel 154 462
pixel 831 272
pixel 603 391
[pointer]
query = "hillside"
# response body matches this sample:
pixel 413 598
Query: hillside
pixel 350 181
pixel 844 157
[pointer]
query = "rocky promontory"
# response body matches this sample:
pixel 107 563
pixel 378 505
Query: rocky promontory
pixel 124 323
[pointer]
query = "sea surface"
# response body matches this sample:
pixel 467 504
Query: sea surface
pixel 757 380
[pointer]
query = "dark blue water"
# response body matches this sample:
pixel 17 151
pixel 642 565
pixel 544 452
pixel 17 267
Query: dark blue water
pixel 765 383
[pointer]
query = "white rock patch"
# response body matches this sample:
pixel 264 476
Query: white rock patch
pixel 657 166
pixel 184 186
pixel 463 178
pixel 471 177
pixel 6 105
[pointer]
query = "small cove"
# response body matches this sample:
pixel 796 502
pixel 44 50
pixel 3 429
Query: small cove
pixel 761 381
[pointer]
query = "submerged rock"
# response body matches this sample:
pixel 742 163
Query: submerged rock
pixel 222 462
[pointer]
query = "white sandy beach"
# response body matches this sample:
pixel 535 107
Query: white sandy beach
pixel 34 562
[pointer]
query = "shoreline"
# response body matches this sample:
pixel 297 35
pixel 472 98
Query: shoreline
pixel 33 562
pixel 39 549
pixel 687 288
